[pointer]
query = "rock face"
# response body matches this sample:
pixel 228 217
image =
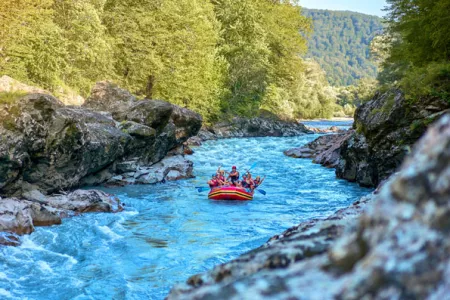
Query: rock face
pixel 170 168
pixel 47 146
pixel 386 127
pixel 324 150
pixel 397 249
pixel 258 127
pixel 157 126
pixel 255 127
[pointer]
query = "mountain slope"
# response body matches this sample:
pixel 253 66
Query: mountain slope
pixel 340 44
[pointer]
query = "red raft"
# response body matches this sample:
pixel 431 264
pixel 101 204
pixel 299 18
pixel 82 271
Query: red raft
pixel 230 193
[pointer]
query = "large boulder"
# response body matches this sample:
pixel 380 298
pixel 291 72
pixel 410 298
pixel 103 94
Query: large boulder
pixel 172 124
pixel 386 127
pixel 397 249
pixel 51 147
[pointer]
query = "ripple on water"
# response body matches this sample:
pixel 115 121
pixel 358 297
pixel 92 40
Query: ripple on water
pixel 170 231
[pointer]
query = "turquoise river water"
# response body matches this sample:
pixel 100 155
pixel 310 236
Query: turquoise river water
pixel 169 232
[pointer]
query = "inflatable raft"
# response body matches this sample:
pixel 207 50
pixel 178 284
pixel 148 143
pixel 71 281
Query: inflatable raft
pixel 230 193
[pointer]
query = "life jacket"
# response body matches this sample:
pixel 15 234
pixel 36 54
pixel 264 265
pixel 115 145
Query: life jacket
pixel 213 183
pixel 234 177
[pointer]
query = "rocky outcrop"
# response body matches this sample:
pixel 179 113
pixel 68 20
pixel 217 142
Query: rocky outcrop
pixel 386 127
pixel 50 147
pixel 170 168
pixel 258 127
pixel 324 150
pixel 254 127
pixel 157 126
pixel 397 249
pixel 21 216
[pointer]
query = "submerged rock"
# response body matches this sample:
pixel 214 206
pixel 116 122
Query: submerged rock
pixel 397 249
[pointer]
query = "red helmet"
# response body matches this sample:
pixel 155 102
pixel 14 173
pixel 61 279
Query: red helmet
pixel 233 167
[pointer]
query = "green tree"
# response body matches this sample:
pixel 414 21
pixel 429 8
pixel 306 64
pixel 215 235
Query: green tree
pixel 89 54
pixel 32 47
pixel 244 47
pixel 167 49
pixel 419 51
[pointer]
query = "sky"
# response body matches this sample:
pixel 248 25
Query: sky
pixel 371 7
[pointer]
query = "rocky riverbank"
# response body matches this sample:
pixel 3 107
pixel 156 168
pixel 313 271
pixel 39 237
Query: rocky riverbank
pixel 384 130
pixel 396 249
pixel 325 150
pixel 254 127
pixel 114 138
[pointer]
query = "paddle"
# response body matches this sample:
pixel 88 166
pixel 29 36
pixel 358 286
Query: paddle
pixel 262 191
pixel 252 166
pixel 202 188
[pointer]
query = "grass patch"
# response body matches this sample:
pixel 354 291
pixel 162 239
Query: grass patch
pixel 10 97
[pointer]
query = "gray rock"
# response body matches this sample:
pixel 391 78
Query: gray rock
pixel 254 127
pixel 324 150
pixel 174 175
pixel 386 128
pixel 83 201
pixel 170 168
pixel 126 166
pixel 54 147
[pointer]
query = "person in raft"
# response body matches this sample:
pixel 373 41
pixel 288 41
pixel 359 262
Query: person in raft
pixel 258 181
pixel 221 176
pixel 214 182
pixel 247 182
pixel 233 176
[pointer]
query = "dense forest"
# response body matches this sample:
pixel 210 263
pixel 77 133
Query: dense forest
pixel 224 58
pixel 415 50
pixel 219 57
pixel 340 44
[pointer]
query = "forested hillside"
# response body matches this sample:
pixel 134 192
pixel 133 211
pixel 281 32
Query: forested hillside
pixel 219 57
pixel 340 44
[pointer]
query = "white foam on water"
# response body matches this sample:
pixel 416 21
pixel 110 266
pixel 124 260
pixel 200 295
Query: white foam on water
pixel 5 293
pixel 3 276
pixel 29 244
pixel 44 267
pixel 107 231
pixel 130 212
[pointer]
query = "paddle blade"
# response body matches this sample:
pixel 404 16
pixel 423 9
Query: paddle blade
pixel 262 191
pixel 252 166
pixel 201 188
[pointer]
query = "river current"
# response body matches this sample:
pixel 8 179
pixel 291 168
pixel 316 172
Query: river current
pixel 170 231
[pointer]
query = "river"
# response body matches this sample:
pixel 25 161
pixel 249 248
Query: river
pixel 170 231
